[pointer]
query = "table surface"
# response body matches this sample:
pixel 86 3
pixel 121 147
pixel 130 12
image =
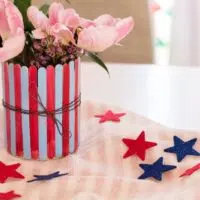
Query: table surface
pixel 97 171
pixel 168 95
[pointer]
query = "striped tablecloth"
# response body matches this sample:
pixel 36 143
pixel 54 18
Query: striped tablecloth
pixel 98 172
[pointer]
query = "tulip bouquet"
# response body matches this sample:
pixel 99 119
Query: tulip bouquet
pixel 40 51
pixel 53 34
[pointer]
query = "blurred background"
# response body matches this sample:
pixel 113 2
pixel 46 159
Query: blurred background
pixel 166 31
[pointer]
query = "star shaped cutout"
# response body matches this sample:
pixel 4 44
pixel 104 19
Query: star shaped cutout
pixel 7 171
pixel 110 116
pixel 155 170
pixel 191 171
pixel 9 195
pixel 182 149
pixel 47 177
pixel 137 147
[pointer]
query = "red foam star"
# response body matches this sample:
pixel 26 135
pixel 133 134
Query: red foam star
pixel 137 147
pixel 190 171
pixel 9 195
pixel 7 171
pixel 110 116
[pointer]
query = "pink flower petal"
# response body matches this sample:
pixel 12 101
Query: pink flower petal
pixel 86 23
pixel 4 26
pixel 9 50
pixel 14 17
pixel 124 27
pixel 62 33
pixel 70 18
pixel 70 11
pixel 37 18
pixel 154 7
pixel 39 34
pixel 10 19
pixel 97 39
pixel 55 13
pixel 105 20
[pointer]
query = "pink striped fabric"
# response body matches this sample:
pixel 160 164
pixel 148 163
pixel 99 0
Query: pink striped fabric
pixel 32 136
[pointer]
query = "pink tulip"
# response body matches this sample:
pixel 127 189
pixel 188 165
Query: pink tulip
pixel 71 18
pixel 86 23
pixel 55 13
pixel 97 39
pixel 39 21
pixel 11 31
pixel 105 20
pixel 95 36
pixel 62 33
pixel 68 17
pixel 58 23
pixel 123 26
pixel 106 32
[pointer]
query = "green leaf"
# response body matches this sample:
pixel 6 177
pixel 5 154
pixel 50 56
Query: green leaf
pixel 98 60
pixel 45 8
pixel 23 6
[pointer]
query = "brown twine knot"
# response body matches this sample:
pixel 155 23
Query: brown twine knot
pixel 46 113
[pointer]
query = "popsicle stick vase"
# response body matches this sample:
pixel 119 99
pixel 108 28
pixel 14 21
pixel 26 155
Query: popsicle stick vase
pixel 41 110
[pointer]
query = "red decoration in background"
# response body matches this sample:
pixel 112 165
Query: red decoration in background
pixel 110 116
pixel 7 171
pixel 137 147
pixel 154 7
pixel 190 171
pixel 9 195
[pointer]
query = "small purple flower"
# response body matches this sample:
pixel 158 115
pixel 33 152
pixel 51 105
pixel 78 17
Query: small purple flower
pixel 44 63
pixel 64 59
pixel 71 49
pixel 37 46
pixel 44 42
pixel 51 51
pixel 60 51
pixel 72 57
pixel 41 57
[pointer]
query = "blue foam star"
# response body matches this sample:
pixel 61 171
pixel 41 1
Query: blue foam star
pixel 182 149
pixel 47 177
pixel 155 170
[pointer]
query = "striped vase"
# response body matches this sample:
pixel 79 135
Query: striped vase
pixel 32 136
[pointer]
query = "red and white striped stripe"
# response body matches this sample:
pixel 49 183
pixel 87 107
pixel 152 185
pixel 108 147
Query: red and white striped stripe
pixel 18 116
